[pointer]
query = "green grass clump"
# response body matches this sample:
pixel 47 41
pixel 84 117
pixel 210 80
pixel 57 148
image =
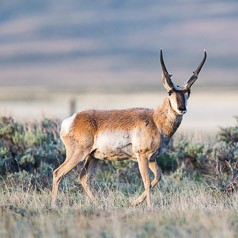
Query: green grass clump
pixel 218 159
pixel 37 149
pixel 29 146
pixel 183 208
pixel 197 196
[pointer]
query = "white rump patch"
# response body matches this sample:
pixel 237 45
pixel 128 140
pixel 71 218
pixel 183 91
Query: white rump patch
pixel 66 125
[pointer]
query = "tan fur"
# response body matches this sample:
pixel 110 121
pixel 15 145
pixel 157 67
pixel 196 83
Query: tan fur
pixel 155 127
pixel 138 133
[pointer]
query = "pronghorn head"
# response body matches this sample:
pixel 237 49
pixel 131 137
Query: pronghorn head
pixel 178 95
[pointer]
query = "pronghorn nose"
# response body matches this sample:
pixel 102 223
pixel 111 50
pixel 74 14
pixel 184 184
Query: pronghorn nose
pixel 182 110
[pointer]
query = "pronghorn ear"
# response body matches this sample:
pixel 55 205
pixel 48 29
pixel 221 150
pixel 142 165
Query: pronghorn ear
pixel 166 77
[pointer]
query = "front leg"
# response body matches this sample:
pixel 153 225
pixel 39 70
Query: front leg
pixel 157 177
pixel 144 171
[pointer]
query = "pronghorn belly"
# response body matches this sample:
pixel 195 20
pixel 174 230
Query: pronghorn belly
pixel 113 146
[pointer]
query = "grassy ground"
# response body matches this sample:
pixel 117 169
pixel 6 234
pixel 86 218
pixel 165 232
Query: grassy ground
pixel 180 209
pixel 197 197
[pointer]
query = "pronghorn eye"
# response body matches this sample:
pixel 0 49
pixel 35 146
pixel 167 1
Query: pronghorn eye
pixel 170 92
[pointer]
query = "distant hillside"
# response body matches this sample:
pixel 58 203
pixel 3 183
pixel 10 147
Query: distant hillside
pixel 114 43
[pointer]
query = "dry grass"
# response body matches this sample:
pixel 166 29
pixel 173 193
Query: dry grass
pixel 181 209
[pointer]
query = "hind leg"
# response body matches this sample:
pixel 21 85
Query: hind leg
pixel 73 157
pixel 86 173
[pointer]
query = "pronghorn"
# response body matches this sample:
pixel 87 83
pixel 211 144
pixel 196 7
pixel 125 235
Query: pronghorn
pixel 140 134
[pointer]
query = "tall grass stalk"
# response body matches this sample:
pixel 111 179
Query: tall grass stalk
pixel 180 209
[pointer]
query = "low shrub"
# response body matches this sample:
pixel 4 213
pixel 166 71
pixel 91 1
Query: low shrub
pixel 30 147
pixel 36 148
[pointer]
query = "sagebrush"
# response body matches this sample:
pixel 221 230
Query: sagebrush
pixel 36 148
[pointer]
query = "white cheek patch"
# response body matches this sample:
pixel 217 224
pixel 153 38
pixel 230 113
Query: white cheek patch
pixel 66 125
pixel 186 99
pixel 186 96
pixel 174 104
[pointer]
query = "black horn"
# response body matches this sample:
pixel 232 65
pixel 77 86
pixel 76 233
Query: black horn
pixel 166 77
pixel 195 73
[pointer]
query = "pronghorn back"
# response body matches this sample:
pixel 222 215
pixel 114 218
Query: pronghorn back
pixel 96 121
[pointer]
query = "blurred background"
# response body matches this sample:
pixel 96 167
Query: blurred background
pixel 105 54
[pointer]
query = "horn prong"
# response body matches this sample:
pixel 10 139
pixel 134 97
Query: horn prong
pixel 166 77
pixel 194 77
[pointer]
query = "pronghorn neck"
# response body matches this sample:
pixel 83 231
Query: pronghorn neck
pixel 166 119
